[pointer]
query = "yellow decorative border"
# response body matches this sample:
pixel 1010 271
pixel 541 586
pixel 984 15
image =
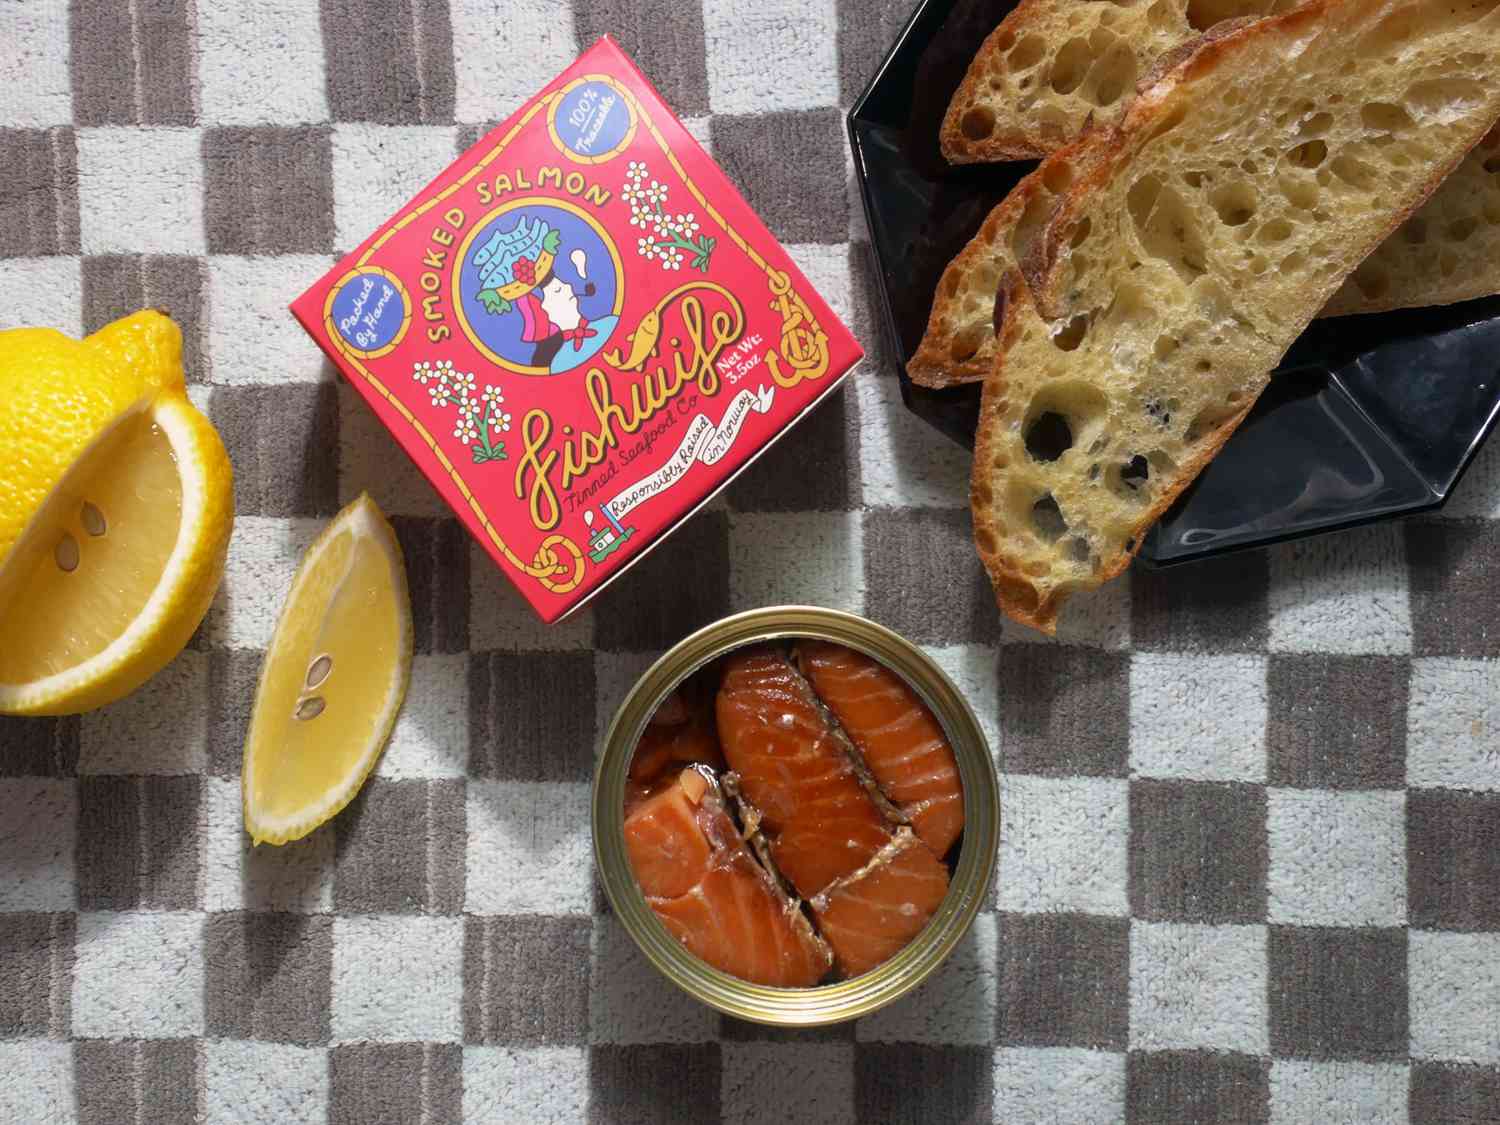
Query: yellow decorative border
pixel 558 564
pixel 337 337
pixel 603 157
pixel 462 254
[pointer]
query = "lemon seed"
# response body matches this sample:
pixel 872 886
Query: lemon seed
pixel 318 671
pixel 67 553
pixel 310 708
pixel 93 520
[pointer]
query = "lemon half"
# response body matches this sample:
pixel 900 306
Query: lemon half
pixel 333 679
pixel 115 521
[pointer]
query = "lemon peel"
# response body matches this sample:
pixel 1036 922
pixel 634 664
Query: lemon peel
pixel 115 514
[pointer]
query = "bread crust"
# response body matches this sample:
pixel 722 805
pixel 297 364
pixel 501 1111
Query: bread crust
pixel 1105 152
pixel 934 363
pixel 1153 106
pixel 959 149
pixel 1015 592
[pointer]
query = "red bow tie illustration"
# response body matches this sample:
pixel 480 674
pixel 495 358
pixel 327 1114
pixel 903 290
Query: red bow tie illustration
pixel 579 334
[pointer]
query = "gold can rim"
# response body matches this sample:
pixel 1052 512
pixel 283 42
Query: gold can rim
pixel 972 875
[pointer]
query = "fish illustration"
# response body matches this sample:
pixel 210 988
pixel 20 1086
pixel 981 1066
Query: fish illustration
pixel 643 343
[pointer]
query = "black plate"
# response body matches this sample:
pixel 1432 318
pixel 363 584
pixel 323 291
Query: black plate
pixel 1368 418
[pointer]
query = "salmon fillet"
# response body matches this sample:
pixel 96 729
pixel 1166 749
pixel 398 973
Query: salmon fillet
pixel 680 733
pixel 817 813
pixel 901 741
pixel 700 879
pixel 667 836
pixel 869 916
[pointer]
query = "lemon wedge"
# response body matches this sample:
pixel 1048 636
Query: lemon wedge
pixel 114 522
pixel 333 678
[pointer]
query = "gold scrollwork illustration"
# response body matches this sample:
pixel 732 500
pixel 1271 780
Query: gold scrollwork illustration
pixel 804 344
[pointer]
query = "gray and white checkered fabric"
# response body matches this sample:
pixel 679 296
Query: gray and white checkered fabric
pixel 1250 866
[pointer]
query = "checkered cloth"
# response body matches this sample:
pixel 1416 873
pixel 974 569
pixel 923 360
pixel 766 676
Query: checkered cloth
pixel 1250 865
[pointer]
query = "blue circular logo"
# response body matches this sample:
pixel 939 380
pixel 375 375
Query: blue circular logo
pixel 369 311
pixel 538 286
pixel 592 120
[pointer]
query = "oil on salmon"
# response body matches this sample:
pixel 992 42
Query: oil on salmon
pixel 703 883
pixel 899 738
pixel 789 814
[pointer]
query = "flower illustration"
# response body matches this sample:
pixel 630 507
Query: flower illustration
pixel 477 416
pixel 671 236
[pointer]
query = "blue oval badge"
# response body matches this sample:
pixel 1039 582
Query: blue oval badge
pixel 369 311
pixel 593 120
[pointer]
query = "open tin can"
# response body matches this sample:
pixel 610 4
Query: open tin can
pixel 971 874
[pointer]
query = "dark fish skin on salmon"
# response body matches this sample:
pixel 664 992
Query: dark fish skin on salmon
pixel 899 739
pixel 872 884
pixel 700 879
pixel 818 815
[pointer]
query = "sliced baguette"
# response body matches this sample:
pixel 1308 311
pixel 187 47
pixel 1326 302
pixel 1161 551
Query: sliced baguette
pixel 959 345
pixel 1448 251
pixel 1195 242
pixel 1054 65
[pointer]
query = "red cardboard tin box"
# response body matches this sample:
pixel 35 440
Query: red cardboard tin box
pixel 579 331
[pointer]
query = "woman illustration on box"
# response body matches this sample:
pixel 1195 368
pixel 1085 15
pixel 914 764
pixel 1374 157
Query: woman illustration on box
pixel 516 268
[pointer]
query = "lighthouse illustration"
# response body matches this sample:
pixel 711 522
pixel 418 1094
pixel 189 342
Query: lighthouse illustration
pixel 607 539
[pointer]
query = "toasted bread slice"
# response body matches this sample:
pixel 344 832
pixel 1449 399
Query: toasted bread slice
pixel 1054 65
pixel 959 346
pixel 1449 250
pixel 1196 241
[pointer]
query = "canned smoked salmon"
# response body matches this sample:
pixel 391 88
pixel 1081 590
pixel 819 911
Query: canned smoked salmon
pixel 792 649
